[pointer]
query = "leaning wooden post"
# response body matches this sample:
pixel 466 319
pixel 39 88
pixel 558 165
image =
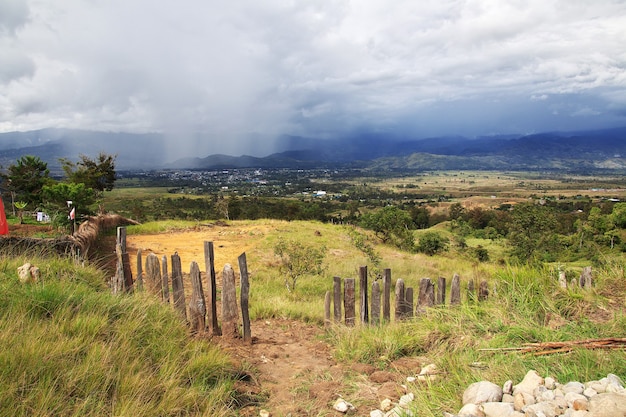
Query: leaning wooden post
pixel 197 305
pixel 154 281
pixel 337 299
pixel 230 314
pixel 178 289
pixel 165 285
pixel 348 300
pixel 470 290
pixel 455 290
pixel 209 260
pixel 387 295
pixel 441 291
pixel 363 287
pixel 327 309
pixel 399 299
pixel 123 261
pixel 426 297
pixel 375 303
pixel 408 302
pixel 586 279
pixel 139 270
pixel 245 296
pixel 483 290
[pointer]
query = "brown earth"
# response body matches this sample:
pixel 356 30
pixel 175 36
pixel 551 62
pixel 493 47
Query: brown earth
pixel 289 368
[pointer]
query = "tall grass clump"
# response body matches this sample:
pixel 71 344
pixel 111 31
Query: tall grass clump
pixel 68 347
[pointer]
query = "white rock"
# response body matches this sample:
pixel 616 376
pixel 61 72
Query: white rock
pixel 406 399
pixel 483 391
pixel 550 382
pixel 608 405
pixel 343 406
pixel 573 386
pixel 430 369
pixel 507 388
pixel 377 413
pixel 531 381
pixel 589 392
pixel 264 413
pixel 410 379
pixel 471 410
pixel 498 409
pixel 386 404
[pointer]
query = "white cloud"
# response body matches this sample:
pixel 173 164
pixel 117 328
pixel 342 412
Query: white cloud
pixel 245 72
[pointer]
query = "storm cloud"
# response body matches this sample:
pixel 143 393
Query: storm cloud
pixel 231 77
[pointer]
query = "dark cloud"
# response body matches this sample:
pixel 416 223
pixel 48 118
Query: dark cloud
pixel 243 73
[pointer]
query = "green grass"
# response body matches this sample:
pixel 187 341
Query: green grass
pixel 68 347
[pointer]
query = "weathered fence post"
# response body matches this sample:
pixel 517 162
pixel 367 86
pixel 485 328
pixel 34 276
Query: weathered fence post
pixel 139 270
pixel 337 299
pixel 327 309
pixel 562 280
pixel 348 300
pixel 408 302
pixel 363 287
pixel 470 290
pixel 399 300
pixel 586 279
pixel 197 306
pixel 245 297
pixel 178 289
pixel 387 294
pixel 154 281
pixel 375 303
pixel 124 274
pixel 209 260
pixel 441 291
pixel 455 290
pixel 230 315
pixel 426 297
pixel 165 285
pixel 483 290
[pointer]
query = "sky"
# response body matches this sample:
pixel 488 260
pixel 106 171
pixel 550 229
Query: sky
pixel 233 76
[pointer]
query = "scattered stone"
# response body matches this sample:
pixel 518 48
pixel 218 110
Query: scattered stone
pixel 264 413
pixel 343 406
pixel 28 273
pixel 377 413
pixel 483 391
pixel 531 381
pixel 386 404
pixel 406 400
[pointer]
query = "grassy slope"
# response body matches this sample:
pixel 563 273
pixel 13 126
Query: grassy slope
pixel 121 363
pixel 68 347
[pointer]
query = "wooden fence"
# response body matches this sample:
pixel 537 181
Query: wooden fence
pixel 201 311
pixel 429 294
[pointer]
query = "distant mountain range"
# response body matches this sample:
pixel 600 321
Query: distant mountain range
pixel 571 151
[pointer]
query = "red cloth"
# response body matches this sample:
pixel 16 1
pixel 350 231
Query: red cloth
pixel 4 227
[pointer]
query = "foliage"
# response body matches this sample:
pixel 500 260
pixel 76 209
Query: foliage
pixel 20 206
pixel 532 234
pixel 57 195
pixel 298 259
pixel 97 174
pixel 392 225
pixel 432 243
pixel 27 177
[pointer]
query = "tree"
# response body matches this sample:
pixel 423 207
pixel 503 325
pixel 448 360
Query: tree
pixel 532 232
pixel 392 225
pixel 27 177
pixel 58 194
pixel 298 259
pixel 98 174
pixel 431 243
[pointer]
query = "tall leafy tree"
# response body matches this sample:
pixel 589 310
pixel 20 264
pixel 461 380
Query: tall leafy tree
pixel 27 177
pixel 532 232
pixel 98 173
pixel 392 225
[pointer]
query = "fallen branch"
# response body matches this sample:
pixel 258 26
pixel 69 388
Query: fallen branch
pixel 547 348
